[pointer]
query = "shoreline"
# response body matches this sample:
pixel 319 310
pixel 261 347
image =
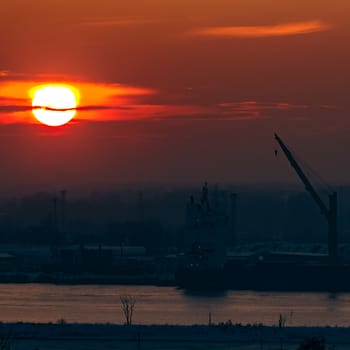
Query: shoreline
pixel 83 279
pixel 64 279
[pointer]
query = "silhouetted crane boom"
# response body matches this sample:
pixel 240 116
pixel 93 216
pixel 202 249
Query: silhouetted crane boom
pixel 329 212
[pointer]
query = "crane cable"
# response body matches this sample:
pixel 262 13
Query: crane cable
pixel 317 181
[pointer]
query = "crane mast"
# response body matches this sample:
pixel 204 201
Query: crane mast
pixel 329 212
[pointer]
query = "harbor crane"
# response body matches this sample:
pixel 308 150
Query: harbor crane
pixel 329 212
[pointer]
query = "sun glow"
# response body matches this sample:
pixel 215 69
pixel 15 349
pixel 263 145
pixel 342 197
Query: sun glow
pixel 54 105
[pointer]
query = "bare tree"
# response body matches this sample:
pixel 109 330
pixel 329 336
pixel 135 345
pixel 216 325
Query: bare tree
pixel 128 304
pixel 282 319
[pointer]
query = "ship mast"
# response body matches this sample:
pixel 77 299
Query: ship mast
pixel 329 212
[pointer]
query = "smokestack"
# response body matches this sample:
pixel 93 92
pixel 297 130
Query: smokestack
pixel 63 218
pixel 54 226
pixel 140 206
pixel 233 219
pixel 332 228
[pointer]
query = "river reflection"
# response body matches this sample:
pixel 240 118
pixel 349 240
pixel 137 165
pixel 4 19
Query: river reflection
pixel 168 305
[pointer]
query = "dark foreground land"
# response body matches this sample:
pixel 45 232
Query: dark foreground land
pixel 221 337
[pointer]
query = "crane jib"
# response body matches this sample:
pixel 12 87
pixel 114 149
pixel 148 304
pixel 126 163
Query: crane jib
pixel 329 212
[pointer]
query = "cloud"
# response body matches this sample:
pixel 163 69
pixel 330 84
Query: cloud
pixel 227 111
pixel 328 107
pixel 115 102
pixel 256 109
pixel 13 108
pixel 283 29
pixel 22 108
pixel 13 105
pixel 97 101
pixel 85 108
pixel 8 75
pixel 4 73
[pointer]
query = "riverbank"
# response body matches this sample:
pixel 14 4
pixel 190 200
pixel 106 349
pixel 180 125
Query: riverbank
pixel 237 336
pixel 60 278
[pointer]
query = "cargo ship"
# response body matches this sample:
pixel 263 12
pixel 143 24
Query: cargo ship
pixel 208 267
pixel 279 271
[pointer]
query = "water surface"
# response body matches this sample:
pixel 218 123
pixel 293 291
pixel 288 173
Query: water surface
pixel 168 305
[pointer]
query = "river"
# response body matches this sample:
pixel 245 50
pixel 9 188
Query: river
pixel 168 305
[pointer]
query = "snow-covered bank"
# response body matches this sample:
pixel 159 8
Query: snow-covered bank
pixel 214 334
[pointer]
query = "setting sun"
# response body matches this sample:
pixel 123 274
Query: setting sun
pixel 54 105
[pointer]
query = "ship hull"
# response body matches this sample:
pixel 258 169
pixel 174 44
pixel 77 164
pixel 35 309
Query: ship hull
pixel 279 277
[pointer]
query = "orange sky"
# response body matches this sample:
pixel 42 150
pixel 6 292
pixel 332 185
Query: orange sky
pixel 176 91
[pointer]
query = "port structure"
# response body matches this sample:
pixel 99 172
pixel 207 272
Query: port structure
pixel 329 212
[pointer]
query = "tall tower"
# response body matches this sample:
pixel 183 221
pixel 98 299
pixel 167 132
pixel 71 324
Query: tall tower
pixel 63 215
pixel 233 220
pixel 140 206
pixel 55 239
